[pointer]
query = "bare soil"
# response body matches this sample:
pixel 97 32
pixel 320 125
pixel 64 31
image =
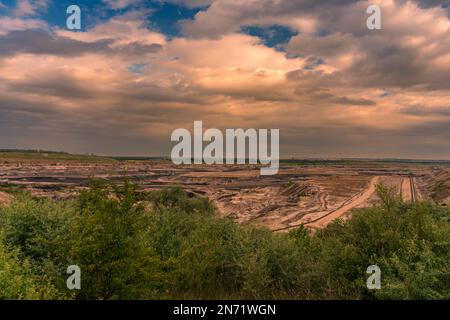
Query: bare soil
pixel 311 194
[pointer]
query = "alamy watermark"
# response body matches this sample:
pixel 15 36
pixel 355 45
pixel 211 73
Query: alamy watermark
pixel 73 22
pixel 374 20
pixel 374 281
pixel 188 150
pixel 74 280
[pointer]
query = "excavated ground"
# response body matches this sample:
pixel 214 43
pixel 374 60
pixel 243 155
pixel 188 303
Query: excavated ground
pixel 311 194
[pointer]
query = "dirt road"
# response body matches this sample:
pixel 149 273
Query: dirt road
pixel 351 203
pixel 322 222
pixel 408 190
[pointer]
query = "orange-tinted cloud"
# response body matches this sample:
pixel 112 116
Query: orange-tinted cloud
pixel 121 88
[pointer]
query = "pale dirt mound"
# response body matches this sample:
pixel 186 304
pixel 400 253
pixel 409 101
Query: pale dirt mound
pixel 5 199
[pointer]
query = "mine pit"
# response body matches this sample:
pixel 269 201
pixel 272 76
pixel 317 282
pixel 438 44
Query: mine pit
pixel 309 194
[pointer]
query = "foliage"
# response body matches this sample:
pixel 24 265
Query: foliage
pixel 167 244
pixel 16 279
pixel 108 243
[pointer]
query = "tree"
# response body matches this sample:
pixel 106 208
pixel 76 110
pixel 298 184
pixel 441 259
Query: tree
pixel 109 246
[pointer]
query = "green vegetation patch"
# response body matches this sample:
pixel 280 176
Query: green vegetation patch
pixel 167 245
pixel 49 155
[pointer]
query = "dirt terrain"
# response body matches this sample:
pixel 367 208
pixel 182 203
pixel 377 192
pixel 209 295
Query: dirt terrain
pixel 313 193
pixel 353 202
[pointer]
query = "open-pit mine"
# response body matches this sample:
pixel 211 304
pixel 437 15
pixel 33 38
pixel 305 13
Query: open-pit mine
pixel 313 193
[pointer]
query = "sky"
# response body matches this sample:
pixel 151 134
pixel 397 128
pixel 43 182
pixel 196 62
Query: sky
pixel 137 70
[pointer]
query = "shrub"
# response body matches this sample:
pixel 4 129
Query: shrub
pixel 166 244
pixel 109 246
pixel 16 278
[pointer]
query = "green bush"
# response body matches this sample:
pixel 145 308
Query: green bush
pixel 133 245
pixel 35 228
pixel 16 278
pixel 409 242
pixel 109 245
pixel 33 225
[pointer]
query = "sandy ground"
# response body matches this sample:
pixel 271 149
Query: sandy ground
pixel 315 193
pixel 406 190
pixel 409 186
pixel 353 203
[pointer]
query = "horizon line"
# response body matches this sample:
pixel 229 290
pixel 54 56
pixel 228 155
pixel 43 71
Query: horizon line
pixel 289 158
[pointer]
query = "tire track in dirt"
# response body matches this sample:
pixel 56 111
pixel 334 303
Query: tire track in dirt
pixel 351 203
pixel 408 190
pixel 405 190
pixel 413 189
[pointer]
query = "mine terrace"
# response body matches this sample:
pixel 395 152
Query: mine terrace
pixel 309 192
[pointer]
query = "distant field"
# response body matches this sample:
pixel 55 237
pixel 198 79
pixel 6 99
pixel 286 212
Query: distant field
pixel 360 162
pixel 55 155
pixel 310 191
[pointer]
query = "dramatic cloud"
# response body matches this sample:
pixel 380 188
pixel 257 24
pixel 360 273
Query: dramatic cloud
pixel 334 88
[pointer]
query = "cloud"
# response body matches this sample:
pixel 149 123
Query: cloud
pixel 225 16
pixel 27 8
pixel 120 4
pixel 41 42
pixel 434 3
pixel 8 24
pixel 121 88
pixel 190 3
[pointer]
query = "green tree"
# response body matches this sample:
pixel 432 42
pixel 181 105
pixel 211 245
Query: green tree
pixel 108 244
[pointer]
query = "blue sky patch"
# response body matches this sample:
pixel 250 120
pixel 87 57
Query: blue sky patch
pixel 167 17
pixel 272 36
pixel 163 17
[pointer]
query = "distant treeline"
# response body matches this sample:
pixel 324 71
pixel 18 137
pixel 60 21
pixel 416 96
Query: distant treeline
pixel 45 154
pixel 299 161
pixel 138 158
pixel 31 151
